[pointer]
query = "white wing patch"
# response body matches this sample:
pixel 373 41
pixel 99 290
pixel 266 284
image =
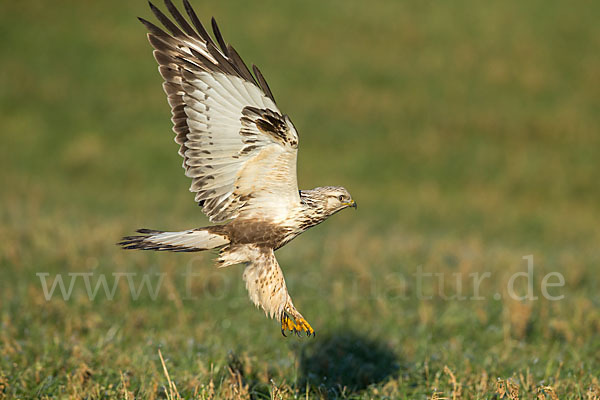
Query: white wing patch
pixel 222 145
pixel 238 148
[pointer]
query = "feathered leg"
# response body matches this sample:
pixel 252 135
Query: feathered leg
pixel 266 286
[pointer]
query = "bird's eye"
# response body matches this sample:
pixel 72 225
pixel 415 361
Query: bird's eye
pixel 341 198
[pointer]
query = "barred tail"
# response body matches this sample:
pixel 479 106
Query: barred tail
pixel 191 240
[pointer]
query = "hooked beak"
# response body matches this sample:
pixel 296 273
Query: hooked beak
pixel 352 204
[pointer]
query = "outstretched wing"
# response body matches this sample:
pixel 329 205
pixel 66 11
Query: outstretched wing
pixel 238 148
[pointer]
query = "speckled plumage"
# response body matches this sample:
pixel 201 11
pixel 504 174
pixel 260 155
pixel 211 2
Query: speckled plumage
pixel 240 152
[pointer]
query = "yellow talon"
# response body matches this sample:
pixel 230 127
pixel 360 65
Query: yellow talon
pixel 303 325
pixel 298 326
pixel 286 324
pixel 290 324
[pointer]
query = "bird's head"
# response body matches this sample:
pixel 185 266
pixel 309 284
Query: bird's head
pixel 333 198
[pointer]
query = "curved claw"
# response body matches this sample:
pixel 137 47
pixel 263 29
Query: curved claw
pixel 296 326
pixel 286 324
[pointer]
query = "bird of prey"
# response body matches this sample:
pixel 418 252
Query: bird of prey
pixel 240 152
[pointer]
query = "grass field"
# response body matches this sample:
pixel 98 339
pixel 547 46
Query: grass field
pixel 467 131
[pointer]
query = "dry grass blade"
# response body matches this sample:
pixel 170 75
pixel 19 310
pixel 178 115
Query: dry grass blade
pixel 437 396
pixel 126 394
pixel 172 393
pixel 456 387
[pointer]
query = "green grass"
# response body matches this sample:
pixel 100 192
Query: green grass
pixel 468 132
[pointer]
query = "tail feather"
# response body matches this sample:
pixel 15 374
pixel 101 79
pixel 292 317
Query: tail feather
pixel 190 240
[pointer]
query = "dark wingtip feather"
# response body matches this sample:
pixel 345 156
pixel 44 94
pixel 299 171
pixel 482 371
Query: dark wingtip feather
pixel 152 6
pixel 219 37
pixel 196 21
pixel 240 65
pixel 167 23
pixel 153 29
pixel 180 19
pixel 222 62
pixel 146 23
pixel 263 83
pixel 149 231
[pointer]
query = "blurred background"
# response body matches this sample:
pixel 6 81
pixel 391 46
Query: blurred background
pixel 467 131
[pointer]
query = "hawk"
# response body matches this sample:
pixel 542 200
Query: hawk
pixel 240 152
